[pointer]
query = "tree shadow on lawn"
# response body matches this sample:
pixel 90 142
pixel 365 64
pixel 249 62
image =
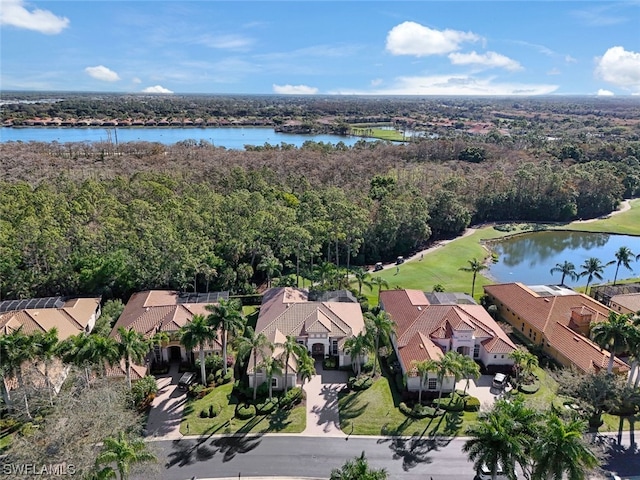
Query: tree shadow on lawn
pixel 349 408
pixel 278 420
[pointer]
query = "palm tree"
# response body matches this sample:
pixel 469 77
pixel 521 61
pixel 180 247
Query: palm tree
pixel 496 439
pixel 324 272
pixel 475 266
pixel 559 450
pixel 133 347
pixel 306 367
pixel 272 367
pixel 362 277
pixel 290 347
pixel 381 324
pixel 256 343
pixel 124 452
pixel 47 345
pixel 197 333
pixel 524 363
pixel 567 269
pixel 379 282
pixel 270 265
pixel 356 347
pixel 423 369
pixel 358 469
pixel 612 334
pixel 592 268
pixel 623 256
pixel 88 352
pixel 16 348
pixel 468 368
pixel 449 364
pixel 226 316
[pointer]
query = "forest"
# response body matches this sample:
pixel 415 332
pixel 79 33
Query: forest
pixel 112 219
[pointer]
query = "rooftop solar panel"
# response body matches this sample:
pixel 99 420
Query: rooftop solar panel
pixel 211 297
pixel 31 303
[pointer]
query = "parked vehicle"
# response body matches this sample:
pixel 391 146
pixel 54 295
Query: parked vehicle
pixel 485 473
pixel 399 260
pixel 499 381
pixel 377 267
pixel 186 380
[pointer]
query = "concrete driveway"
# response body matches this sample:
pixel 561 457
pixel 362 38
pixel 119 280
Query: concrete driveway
pixel 322 402
pixel 482 390
pixel 165 415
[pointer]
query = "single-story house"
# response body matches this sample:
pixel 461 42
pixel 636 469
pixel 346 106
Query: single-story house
pixel 321 327
pixel 558 319
pixel 429 325
pixel 625 303
pixel 155 311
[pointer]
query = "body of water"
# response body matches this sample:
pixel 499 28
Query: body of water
pixel 529 258
pixel 229 137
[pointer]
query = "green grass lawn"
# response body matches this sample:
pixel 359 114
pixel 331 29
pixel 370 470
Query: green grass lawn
pixel 627 223
pixel 382 134
pixel 289 421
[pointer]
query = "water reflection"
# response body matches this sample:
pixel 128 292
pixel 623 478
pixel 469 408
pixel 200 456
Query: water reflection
pixel 529 258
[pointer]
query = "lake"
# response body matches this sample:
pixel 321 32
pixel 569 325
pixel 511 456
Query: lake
pixel 234 138
pixel 529 258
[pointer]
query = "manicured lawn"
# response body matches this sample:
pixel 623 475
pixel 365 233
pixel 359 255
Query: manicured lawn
pixel 289 421
pixel 627 223
pixel 373 412
pixel 382 134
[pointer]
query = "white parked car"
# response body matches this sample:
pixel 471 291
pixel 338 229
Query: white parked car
pixel 485 473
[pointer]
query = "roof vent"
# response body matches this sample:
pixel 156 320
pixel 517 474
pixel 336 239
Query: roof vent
pixel 419 308
pixel 146 309
pixel 576 339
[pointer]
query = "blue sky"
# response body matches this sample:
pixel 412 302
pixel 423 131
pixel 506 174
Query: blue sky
pixel 322 47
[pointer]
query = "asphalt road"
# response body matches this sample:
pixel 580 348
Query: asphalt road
pixel 290 455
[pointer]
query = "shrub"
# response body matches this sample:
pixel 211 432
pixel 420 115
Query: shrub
pixel 211 379
pixel 204 413
pixel 360 383
pixel 292 397
pixel 529 388
pixel 472 404
pixel 419 411
pixel 453 403
pixel 368 365
pixel 262 391
pixel 214 410
pixel 144 391
pixel 226 378
pixel 245 411
pixel 330 363
pixel 266 407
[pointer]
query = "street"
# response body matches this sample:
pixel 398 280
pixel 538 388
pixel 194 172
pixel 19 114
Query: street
pixel 294 455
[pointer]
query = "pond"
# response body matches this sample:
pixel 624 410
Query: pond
pixel 234 138
pixel 529 258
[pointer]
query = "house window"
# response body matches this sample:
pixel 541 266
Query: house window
pixel 334 347
pixel 476 350
pixel 274 382
pixel 495 356
pixel 523 326
pixel 432 383
pixel 501 356
pixel 158 353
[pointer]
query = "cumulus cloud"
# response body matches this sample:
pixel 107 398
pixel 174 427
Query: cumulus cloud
pixel 156 89
pixel 488 59
pixel 455 85
pixel 14 13
pixel 103 73
pixel 294 89
pixel 605 93
pixel 410 38
pixel 620 67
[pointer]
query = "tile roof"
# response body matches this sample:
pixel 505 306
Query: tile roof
pixel 417 322
pixel 70 319
pixel 630 301
pixel 552 315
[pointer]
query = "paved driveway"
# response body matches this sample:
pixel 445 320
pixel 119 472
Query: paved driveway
pixel 481 389
pixel 166 410
pixel 322 402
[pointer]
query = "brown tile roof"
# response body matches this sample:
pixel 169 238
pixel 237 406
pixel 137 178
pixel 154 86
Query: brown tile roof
pixel 120 370
pixel 552 316
pixel 154 311
pixel 72 318
pixel 417 323
pixel 630 301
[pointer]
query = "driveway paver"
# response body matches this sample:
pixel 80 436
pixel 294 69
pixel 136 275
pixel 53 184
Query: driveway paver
pixel 481 389
pixel 165 415
pixel 322 402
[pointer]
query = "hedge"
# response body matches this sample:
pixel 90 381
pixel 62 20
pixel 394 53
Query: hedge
pixel 245 411
pixel 420 411
pixel 291 398
pixel 360 383
pixel 266 407
pixel 529 388
pixel 453 403
pixel 472 404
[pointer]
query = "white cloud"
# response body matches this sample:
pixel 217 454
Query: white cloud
pixel 570 59
pixel 14 13
pixel 376 81
pixel 136 80
pixel 294 89
pixel 226 42
pixel 605 93
pixel 619 67
pixel 102 73
pixel 454 85
pixel 410 38
pixel 488 59
pixel 554 71
pixel 156 89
